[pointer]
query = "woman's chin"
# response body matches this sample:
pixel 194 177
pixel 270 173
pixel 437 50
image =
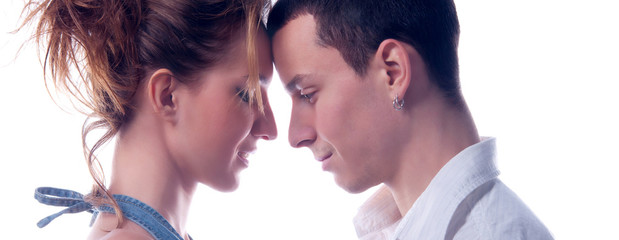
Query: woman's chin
pixel 228 184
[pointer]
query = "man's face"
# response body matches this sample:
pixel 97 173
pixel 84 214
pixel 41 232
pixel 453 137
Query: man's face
pixel 342 117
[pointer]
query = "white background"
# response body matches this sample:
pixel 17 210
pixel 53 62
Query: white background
pixel 540 75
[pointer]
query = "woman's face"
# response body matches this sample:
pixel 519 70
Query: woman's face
pixel 218 128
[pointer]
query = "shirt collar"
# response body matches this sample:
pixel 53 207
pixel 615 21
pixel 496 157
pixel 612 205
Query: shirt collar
pixel 432 211
pixel 377 215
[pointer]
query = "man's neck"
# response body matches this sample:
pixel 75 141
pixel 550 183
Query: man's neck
pixel 438 133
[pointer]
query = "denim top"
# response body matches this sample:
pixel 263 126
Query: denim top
pixel 133 209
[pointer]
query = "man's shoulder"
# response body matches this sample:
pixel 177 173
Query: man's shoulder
pixel 494 211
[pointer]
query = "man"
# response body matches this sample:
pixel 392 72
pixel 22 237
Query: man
pixel 376 97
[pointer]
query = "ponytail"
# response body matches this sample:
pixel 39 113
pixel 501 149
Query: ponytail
pixel 95 39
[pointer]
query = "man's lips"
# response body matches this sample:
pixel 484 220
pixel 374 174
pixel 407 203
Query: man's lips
pixel 324 157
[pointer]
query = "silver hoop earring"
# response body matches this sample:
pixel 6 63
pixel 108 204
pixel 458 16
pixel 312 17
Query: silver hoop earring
pixel 398 104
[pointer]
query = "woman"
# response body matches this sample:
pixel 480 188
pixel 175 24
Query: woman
pixel 180 85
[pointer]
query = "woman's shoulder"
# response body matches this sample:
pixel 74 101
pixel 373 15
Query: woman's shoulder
pixel 105 228
pixel 122 234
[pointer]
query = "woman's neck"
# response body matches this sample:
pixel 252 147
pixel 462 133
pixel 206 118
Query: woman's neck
pixel 143 169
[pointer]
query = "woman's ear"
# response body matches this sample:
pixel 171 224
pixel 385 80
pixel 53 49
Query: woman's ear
pixel 393 56
pixel 161 89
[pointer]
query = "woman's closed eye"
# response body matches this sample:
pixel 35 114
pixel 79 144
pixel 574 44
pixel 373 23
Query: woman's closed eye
pixel 243 94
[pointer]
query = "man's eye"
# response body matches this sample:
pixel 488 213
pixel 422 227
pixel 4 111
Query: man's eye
pixel 307 97
pixel 243 94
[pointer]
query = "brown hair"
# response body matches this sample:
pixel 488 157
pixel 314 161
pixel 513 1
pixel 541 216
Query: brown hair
pixel 112 44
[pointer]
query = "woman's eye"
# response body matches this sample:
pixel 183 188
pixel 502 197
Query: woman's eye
pixel 243 94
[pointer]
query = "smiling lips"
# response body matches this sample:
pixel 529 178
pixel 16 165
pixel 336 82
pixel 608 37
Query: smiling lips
pixel 244 156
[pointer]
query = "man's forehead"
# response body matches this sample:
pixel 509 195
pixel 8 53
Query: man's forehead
pixel 296 52
pixel 302 29
pixel 293 47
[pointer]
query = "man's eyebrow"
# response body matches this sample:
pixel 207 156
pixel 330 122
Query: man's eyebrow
pixel 291 86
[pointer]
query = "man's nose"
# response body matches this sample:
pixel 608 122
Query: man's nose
pixel 301 132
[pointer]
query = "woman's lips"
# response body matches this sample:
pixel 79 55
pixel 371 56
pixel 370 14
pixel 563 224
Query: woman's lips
pixel 243 156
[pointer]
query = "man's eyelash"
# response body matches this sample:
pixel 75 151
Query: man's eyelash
pixel 306 97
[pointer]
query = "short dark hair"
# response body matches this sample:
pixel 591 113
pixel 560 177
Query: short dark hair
pixel 357 27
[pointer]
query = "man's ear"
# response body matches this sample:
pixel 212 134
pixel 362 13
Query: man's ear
pixel 161 90
pixel 394 58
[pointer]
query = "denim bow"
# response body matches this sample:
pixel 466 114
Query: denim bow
pixel 74 202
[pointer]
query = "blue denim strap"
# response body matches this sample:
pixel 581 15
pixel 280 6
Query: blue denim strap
pixel 145 216
pixel 133 209
pixel 62 198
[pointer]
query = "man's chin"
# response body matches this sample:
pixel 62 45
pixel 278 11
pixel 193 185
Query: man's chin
pixel 352 186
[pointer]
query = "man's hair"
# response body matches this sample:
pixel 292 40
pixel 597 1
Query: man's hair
pixel 357 27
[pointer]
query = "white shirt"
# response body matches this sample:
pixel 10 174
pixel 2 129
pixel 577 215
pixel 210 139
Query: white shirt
pixel 465 200
pixel 378 217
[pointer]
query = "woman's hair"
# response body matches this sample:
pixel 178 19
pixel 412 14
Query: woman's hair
pixel 99 51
